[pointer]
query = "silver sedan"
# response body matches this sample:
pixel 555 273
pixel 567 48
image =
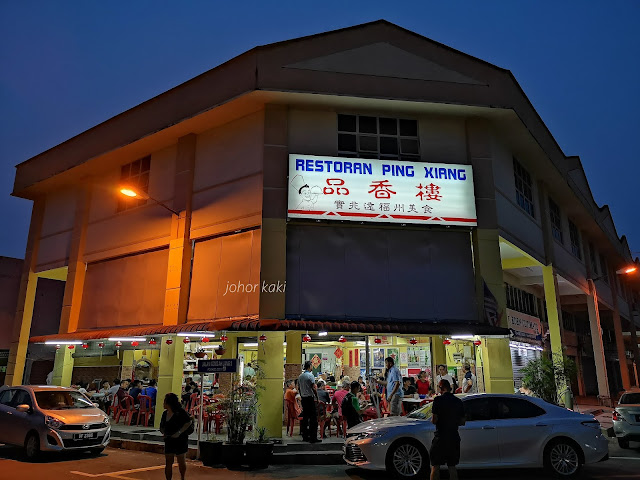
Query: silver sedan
pixel 50 418
pixel 626 418
pixel 512 431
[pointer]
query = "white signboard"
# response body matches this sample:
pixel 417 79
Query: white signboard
pixel 524 328
pixel 392 191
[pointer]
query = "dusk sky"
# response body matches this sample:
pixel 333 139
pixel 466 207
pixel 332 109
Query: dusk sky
pixel 67 66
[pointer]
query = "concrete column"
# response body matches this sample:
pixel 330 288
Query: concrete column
pixel 179 268
pixel 438 356
pixel 26 299
pixel 617 327
pixel 293 365
pixel 74 286
pixel 169 372
pixel 272 396
pixel 598 347
pixel 554 317
pixel 496 365
pixel 633 307
pixel 63 367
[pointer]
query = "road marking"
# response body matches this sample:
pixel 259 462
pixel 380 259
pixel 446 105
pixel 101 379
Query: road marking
pixel 119 473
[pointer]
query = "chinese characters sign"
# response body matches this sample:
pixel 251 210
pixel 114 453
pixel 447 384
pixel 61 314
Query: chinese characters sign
pixel 394 191
pixel 524 328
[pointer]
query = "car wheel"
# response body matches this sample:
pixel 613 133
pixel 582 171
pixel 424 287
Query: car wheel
pixel 32 446
pixel 408 459
pixel 623 443
pixel 562 458
pixel 97 451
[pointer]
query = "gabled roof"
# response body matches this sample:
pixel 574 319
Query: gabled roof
pixel 405 65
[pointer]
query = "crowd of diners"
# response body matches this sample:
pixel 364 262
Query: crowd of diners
pixel 111 394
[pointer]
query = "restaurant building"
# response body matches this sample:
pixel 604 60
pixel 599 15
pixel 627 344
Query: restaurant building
pixel 368 189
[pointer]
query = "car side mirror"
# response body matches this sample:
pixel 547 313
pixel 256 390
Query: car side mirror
pixel 24 408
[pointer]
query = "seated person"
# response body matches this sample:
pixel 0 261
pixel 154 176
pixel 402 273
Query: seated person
pixel 351 406
pixel 323 395
pixel 135 390
pixel 151 391
pixel 422 384
pixel 407 388
pixel 186 397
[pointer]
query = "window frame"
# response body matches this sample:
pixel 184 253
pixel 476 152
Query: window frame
pixel 523 401
pixel 576 247
pixel 555 216
pixel 482 398
pixel 604 267
pixel 139 180
pixel 524 182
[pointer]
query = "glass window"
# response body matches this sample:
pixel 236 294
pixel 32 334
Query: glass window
pixel 574 236
pixel 21 397
pixel 422 413
pixel 593 259
pixel 378 137
pixel 136 175
pixel 7 396
pixel 630 399
pixel 478 409
pixel 62 399
pixel 605 269
pixel 524 188
pixel 517 408
pixel 521 301
pixel 556 221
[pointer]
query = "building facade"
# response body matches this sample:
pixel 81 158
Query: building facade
pixel 383 194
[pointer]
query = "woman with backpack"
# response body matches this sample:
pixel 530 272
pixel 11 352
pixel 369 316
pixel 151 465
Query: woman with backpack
pixel 176 426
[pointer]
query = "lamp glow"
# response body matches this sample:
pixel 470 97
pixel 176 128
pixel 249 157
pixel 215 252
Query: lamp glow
pixel 128 192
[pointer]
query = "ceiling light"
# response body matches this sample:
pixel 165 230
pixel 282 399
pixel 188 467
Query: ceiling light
pixel 126 339
pixel 63 342
pixel 250 344
pixel 323 334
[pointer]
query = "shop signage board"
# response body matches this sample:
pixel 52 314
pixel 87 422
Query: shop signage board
pixel 218 366
pixel 524 328
pixel 390 191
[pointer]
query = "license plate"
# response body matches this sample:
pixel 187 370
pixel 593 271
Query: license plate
pixel 83 436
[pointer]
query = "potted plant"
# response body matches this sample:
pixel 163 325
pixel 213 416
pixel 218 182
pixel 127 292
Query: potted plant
pixel 550 379
pixel 211 451
pixel 220 350
pixel 200 353
pixel 260 451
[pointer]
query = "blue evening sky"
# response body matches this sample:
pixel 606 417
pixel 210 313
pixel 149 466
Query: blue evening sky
pixel 66 66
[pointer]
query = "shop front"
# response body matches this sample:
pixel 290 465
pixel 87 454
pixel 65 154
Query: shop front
pixel 525 342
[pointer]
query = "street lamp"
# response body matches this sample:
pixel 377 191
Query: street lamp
pixel 133 192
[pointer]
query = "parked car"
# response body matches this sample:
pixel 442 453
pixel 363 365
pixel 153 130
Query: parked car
pixel 626 418
pixel 50 418
pixel 512 431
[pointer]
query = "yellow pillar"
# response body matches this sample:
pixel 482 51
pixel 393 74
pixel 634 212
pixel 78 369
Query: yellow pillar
pixel 438 356
pixel 169 372
pixel 63 367
pixel 496 365
pixel 554 318
pixel 128 359
pixel 271 396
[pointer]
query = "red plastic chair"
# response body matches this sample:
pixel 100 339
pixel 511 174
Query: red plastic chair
pixel 113 408
pixel 125 408
pixel 146 409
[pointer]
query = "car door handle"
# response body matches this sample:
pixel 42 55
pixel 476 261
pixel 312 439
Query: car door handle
pixel 488 427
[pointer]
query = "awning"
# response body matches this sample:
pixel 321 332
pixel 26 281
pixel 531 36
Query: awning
pixel 254 324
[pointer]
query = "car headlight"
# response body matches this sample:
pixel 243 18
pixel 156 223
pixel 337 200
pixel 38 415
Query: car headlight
pixel 363 435
pixel 106 421
pixel 53 422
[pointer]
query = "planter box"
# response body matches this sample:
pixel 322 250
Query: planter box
pixel 211 453
pixel 232 454
pixel 259 455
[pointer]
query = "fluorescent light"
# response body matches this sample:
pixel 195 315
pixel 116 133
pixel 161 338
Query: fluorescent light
pixel 462 337
pixel 360 342
pixel 250 344
pixel 323 334
pixel 524 346
pixel 63 342
pixel 199 335
pixel 211 346
pixel 126 339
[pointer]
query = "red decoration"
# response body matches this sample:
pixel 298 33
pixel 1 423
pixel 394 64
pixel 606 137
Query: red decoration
pixel 351 358
pixel 338 353
pixel 477 343
pixel 262 338
pixel 205 340
pixel 85 345
pixel 377 340
pixel 186 340
pixel 223 338
pixel 306 338
pixel 57 347
pixel 118 344
pixel 413 341
pixel 71 347
pixel 152 341
pixel 101 345
pixel 446 341
pixel 168 341
pixel 134 343
pixel 342 339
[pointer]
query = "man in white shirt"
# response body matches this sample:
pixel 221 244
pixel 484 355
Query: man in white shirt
pixel 444 375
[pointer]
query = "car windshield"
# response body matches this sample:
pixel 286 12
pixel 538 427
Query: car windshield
pixel 62 399
pixel 422 413
pixel 630 399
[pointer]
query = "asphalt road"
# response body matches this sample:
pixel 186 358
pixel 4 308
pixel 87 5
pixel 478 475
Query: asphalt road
pixel 129 465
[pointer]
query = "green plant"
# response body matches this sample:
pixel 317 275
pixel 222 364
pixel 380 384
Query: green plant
pixel 241 406
pixel 262 435
pixel 549 379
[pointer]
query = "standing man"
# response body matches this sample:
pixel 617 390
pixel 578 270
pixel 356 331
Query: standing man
pixel 444 375
pixel 469 383
pixel 393 383
pixel 448 415
pixel 309 423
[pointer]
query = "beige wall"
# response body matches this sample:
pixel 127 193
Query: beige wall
pixel 442 140
pixel 313 132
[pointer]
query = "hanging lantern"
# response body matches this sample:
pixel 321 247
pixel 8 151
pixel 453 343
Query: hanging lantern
pixel 85 345
pixel 152 341
pixel 205 340
pixel 477 343
pixel 223 338
pixel 118 344
pixel 101 345
pixel 71 347
pixel 262 338
pixel 168 341
pixel 342 339
pixel 57 347
pixel 134 343
pixel 306 338
pixel 413 341
pixel 446 341
pixel 186 340
pixel 377 340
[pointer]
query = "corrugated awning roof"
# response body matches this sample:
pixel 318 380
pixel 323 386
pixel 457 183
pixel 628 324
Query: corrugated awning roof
pixel 255 324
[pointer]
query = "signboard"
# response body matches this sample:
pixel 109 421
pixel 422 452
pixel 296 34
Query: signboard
pixel 218 366
pixel 524 328
pixel 370 190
